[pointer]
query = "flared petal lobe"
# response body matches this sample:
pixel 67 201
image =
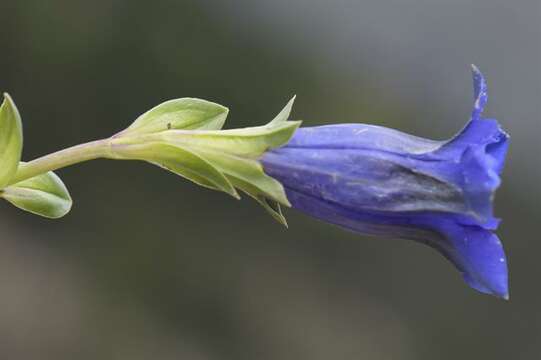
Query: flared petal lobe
pixel 380 181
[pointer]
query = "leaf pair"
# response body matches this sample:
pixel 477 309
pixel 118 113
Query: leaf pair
pixel 43 195
pixel 184 136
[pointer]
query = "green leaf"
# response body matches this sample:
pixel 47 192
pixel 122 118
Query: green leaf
pixel 248 142
pixel 243 171
pixel 271 206
pixel 11 140
pixel 44 195
pixel 248 175
pixel 185 113
pixel 187 164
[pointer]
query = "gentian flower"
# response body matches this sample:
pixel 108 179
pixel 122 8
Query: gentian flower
pixel 378 181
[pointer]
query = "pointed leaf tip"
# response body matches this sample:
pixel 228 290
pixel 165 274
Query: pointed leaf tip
pixel 11 140
pixel 187 163
pixel 283 115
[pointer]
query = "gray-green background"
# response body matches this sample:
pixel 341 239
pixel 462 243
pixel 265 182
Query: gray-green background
pixel 149 266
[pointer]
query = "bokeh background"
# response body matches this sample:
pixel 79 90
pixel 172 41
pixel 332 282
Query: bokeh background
pixel 149 266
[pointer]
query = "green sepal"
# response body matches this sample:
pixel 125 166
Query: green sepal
pixel 44 195
pixel 283 115
pixel 249 142
pixel 185 113
pixel 271 206
pixel 245 171
pixel 11 140
pixel 188 164
pixel 217 159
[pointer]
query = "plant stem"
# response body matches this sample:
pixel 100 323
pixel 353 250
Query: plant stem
pixel 73 155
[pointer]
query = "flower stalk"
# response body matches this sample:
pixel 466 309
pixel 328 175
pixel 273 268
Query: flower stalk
pixel 63 158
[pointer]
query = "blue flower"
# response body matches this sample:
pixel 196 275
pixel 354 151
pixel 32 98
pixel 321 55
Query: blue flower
pixel 380 181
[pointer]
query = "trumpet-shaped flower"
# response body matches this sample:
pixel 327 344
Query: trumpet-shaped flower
pixel 378 181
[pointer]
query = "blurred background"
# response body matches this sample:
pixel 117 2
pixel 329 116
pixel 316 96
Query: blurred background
pixel 150 266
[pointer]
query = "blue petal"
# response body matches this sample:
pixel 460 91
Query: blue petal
pixel 476 252
pixel 480 150
pixel 368 180
pixel 479 255
pixel 361 136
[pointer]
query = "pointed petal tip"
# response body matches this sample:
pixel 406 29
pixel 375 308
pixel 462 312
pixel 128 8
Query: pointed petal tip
pixel 502 295
pixel 480 92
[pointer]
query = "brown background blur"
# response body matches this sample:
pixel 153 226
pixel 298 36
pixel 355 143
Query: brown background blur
pixel 149 266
